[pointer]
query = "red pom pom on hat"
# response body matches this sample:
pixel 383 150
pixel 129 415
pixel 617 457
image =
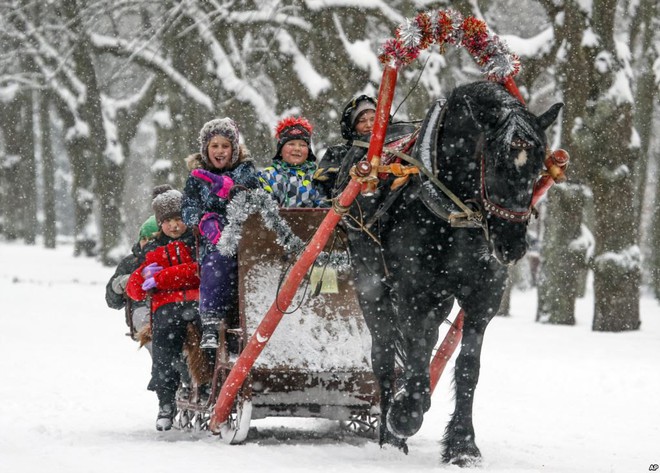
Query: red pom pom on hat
pixel 290 122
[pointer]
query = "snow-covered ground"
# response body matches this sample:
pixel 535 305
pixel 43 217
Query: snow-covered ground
pixel 73 393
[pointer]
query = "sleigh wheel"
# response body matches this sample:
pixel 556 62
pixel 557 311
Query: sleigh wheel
pixel 364 424
pixel 236 428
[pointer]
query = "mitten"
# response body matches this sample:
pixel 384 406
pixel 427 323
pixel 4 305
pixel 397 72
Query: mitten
pixel 119 283
pixel 151 270
pixel 220 185
pixel 149 283
pixel 211 227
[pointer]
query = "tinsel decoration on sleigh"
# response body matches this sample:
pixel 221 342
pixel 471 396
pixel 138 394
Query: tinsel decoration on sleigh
pixel 450 27
pixel 258 201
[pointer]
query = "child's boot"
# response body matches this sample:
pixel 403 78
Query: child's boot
pixel 166 411
pixel 209 336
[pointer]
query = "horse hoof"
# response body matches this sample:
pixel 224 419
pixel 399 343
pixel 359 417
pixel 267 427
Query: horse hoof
pixel 387 438
pixel 405 416
pixel 469 456
pixel 465 461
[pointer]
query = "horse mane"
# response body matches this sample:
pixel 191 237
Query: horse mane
pixel 505 118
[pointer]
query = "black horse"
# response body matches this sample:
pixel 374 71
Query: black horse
pixel 410 263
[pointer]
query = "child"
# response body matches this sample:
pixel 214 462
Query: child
pixel 137 312
pixel 289 177
pixel 357 122
pixel 137 315
pixel 169 276
pixel 221 164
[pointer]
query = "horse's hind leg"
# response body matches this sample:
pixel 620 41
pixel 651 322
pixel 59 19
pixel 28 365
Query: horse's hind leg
pixel 459 441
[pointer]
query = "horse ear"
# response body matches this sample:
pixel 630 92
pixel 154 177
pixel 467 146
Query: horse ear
pixel 550 116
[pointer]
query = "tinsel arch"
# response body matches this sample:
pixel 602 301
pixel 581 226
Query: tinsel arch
pixel 444 27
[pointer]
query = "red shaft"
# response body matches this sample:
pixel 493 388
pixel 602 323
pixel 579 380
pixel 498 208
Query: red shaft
pixel 511 86
pixel 383 107
pixel 446 350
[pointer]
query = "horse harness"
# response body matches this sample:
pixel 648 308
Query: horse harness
pixel 439 203
pixel 467 217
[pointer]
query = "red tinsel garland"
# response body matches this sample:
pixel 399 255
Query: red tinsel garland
pixel 449 27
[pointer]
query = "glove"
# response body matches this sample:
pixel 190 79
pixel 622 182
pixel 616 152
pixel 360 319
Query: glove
pixel 211 227
pixel 220 185
pixel 119 284
pixel 151 270
pixel 149 283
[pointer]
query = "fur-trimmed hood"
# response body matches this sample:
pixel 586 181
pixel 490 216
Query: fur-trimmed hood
pixel 196 161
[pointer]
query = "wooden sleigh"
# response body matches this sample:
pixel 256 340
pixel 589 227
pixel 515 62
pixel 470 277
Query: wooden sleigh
pixel 316 365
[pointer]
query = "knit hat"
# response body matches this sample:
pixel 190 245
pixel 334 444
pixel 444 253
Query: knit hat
pixel 225 127
pixel 362 106
pixel 294 128
pixel 148 228
pixel 167 205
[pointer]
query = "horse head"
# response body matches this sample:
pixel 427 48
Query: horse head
pixel 510 153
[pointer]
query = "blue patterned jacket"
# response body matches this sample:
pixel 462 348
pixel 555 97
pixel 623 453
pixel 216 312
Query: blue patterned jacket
pixel 292 186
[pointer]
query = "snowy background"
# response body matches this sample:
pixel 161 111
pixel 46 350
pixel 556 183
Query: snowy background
pixel 73 394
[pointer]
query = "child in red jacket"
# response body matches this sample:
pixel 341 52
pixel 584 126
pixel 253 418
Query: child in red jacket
pixel 169 276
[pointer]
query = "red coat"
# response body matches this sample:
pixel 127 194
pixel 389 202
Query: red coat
pixel 177 282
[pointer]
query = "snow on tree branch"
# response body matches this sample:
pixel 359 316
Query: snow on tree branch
pixel 266 16
pixel 127 103
pixel 312 80
pixel 51 62
pixel 151 59
pixel 390 13
pixel 360 52
pixel 628 259
pixel 224 69
pixel 531 47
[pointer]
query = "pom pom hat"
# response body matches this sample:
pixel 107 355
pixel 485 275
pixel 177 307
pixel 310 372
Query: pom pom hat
pixel 225 127
pixel 294 128
pixel 148 228
pixel 167 205
pixel 159 190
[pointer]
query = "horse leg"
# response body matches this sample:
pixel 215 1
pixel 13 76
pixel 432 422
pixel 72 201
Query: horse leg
pixel 459 446
pixel 419 337
pixel 376 304
pixel 383 365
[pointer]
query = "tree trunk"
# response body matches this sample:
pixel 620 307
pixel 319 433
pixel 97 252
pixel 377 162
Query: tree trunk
pixel 85 229
pixel 108 171
pixel 48 161
pixel 27 185
pixel 560 266
pixel 563 256
pixel 617 261
pixel 654 240
pixel 13 226
pixel 645 99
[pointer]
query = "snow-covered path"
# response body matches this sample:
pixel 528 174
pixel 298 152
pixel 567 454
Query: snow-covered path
pixel 73 393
